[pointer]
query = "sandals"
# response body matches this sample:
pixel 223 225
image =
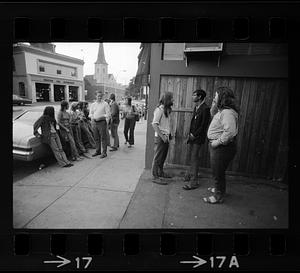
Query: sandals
pixel 213 199
pixel 189 187
pixel 212 189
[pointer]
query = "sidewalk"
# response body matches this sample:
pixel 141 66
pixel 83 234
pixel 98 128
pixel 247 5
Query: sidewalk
pixel 94 193
pixel 248 204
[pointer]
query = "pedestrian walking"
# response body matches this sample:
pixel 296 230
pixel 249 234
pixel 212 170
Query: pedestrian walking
pixel 74 121
pixel 66 133
pixel 100 115
pixel 221 134
pixel 115 121
pixel 129 114
pixel 162 127
pixel 86 134
pixel 49 135
pixel 197 135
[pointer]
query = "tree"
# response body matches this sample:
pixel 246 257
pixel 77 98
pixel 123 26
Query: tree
pixel 132 90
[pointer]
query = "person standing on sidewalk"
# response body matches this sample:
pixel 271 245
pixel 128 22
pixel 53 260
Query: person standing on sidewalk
pixel 49 135
pixel 198 130
pixel 100 115
pixel 64 122
pixel 129 124
pixel 162 127
pixel 221 134
pixel 115 120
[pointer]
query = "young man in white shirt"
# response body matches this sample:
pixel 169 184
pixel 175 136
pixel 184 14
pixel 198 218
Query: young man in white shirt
pixel 100 115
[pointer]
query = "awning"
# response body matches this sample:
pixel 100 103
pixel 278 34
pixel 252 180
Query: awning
pixel 143 72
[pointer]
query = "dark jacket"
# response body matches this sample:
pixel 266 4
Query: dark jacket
pixel 199 124
pixel 44 123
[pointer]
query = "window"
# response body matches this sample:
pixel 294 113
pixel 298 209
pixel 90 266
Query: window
pixel 22 89
pixel 41 68
pixel 58 71
pixel 173 51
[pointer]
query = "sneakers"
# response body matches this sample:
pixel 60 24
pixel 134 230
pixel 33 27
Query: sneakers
pixel 159 181
pixel 95 154
pixel 113 149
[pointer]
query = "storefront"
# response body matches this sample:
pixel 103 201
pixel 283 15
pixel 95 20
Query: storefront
pixel 42 91
pixel 52 90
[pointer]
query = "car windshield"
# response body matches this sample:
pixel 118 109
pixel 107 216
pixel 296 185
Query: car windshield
pixel 30 117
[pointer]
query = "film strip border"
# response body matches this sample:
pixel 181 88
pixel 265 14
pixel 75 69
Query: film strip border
pixel 269 29
pixel 151 250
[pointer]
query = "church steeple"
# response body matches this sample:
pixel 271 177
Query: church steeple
pixel 101 57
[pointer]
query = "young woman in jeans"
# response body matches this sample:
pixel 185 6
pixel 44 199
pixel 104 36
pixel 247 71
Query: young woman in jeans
pixel 129 124
pixel 49 135
pixel 64 122
pixel 222 134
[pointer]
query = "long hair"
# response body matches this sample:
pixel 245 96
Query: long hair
pixel 129 101
pixel 80 105
pixel 49 115
pixel 226 99
pixel 74 106
pixel 63 105
pixel 166 101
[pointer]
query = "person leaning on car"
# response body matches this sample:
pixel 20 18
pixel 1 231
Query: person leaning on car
pixel 49 135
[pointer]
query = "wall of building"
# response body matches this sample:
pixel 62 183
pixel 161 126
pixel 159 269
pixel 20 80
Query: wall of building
pixel 258 66
pixel 32 66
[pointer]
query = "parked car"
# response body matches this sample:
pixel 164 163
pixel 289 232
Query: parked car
pixel 26 146
pixel 20 101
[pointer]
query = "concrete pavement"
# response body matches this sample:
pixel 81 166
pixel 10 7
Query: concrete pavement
pixel 94 193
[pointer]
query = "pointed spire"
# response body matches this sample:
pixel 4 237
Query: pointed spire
pixel 101 57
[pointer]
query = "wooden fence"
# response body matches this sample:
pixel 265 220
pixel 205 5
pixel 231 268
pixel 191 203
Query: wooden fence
pixel 262 142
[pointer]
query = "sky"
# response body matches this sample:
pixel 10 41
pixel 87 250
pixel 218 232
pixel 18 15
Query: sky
pixel 119 56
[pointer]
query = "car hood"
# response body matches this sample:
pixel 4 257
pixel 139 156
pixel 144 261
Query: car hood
pixel 23 134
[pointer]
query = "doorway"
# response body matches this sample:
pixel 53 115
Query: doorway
pixel 59 92
pixel 73 93
pixel 42 91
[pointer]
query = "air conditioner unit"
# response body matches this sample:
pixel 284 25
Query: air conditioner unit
pixel 202 47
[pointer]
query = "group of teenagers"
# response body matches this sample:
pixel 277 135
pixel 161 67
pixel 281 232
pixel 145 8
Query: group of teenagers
pixel 81 128
pixel 218 124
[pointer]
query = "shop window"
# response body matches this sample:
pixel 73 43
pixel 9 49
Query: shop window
pixel 22 89
pixel 58 72
pixel 41 68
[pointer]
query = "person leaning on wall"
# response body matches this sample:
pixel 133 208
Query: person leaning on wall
pixel 162 126
pixel 221 134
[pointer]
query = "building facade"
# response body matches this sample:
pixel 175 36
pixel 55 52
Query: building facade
pixel 41 74
pixel 258 75
pixel 101 80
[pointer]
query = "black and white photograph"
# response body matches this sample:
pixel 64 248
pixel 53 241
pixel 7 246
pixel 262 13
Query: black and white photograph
pixel 150 135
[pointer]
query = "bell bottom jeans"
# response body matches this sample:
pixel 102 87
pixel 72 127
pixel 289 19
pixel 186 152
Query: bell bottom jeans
pixel 220 158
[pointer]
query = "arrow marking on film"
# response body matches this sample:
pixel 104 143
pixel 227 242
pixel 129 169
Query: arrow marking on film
pixel 61 262
pixel 197 263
